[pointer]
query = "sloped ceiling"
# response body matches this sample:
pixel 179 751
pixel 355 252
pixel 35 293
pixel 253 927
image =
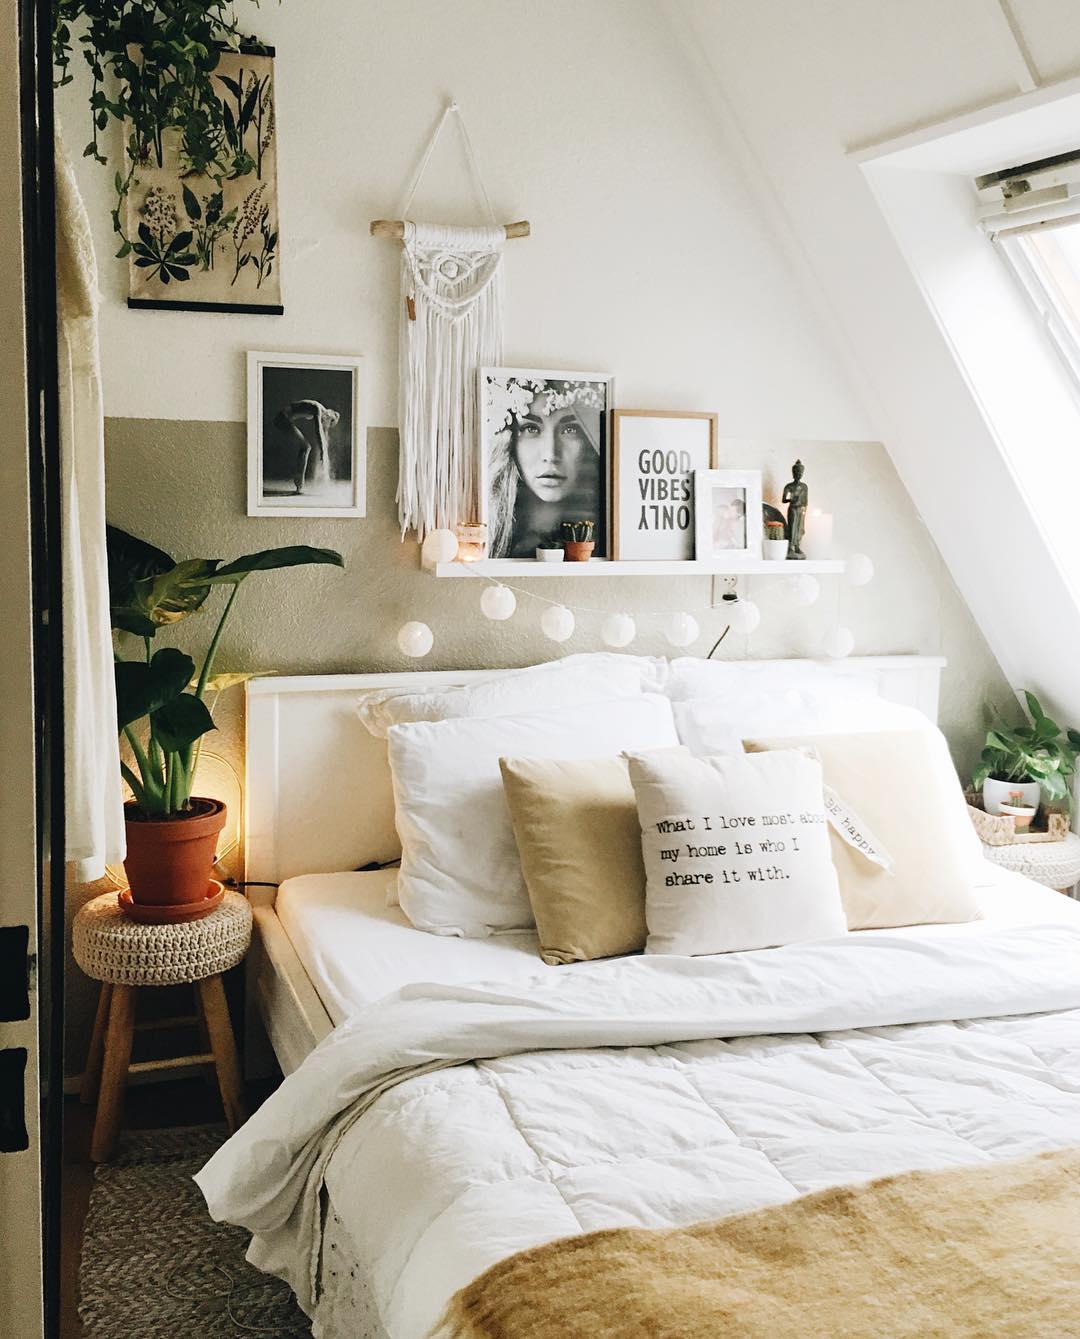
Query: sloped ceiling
pixel 797 87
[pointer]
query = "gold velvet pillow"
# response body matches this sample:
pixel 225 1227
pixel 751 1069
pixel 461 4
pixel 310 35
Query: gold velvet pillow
pixel 576 826
pixel 902 787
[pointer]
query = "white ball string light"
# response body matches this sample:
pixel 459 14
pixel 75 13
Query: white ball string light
pixel 681 629
pixel 415 640
pixel 838 642
pixel 859 570
pixel 557 623
pixel 498 603
pixel 804 590
pixel 618 630
pixel 744 616
pixel 439 546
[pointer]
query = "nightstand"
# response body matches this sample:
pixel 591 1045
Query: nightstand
pixel 126 956
pixel 1054 864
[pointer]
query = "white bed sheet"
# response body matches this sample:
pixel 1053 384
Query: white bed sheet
pixel 356 949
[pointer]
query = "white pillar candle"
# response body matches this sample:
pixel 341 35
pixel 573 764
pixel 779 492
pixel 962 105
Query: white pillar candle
pixel 818 540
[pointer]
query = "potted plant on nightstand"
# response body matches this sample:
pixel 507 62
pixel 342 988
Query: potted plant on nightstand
pixel 578 541
pixel 1019 767
pixel 171 834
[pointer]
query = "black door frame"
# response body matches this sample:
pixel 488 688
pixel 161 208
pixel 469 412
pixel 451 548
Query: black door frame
pixel 39 277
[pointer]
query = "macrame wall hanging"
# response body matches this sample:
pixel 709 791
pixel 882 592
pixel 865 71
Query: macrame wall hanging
pixel 451 325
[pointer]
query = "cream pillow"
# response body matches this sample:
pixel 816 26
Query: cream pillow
pixel 736 851
pixel 902 786
pixel 576 826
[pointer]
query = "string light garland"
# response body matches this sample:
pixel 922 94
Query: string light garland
pixel 499 602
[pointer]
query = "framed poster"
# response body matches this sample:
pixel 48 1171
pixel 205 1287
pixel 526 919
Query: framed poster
pixel 307 448
pixel 727 515
pixel 544 456
pixel 211 241
pixel 655 456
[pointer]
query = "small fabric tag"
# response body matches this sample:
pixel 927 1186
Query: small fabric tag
pixel 851 829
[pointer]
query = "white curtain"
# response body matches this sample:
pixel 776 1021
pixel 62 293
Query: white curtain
pixel 94 805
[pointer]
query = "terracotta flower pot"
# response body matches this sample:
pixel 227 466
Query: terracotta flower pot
pixel 169 860
pixel 579 550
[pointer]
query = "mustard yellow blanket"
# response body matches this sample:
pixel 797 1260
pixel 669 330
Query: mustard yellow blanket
pixel 986 1251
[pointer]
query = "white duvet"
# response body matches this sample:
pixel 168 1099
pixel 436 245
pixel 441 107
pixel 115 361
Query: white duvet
pixel 651 1091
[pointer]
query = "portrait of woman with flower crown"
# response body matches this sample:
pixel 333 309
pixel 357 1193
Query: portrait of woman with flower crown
pixel 545 442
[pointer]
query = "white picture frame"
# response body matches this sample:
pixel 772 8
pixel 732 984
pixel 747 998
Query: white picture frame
pixel 720 498
pixel 306 461
pixel 519 515
pixel 655 456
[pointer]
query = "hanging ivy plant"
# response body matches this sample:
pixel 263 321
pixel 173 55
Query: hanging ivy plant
pixel 152 66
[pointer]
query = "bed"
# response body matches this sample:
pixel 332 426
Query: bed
pixel 467 1103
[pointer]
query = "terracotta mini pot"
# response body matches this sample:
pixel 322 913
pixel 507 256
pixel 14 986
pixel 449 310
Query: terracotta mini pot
pixel 169 860
pixel 579 550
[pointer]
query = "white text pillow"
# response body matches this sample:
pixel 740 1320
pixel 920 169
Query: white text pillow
pixel 460 873
pixel 736 852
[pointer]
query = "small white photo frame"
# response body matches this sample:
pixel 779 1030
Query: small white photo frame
pixel 727 515
pixel 307 438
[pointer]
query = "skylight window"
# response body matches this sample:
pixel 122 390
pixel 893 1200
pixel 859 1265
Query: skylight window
pixel 1033 216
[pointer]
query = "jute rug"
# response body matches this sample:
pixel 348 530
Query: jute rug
pixel 155 1265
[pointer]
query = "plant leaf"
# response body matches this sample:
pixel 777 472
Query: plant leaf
pixel 173 595
pixel 191 203
pixel 142 688
pixel 269 560
pixel 180 722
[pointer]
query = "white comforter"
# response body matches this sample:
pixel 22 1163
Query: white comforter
pixel 841 1061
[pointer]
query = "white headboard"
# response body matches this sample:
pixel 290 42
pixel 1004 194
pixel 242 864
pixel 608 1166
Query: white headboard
pixel 317 781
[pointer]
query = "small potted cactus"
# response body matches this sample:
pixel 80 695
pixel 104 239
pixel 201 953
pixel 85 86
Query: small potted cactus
pixel 550 548
pixel 1018 809
pixel 578 542
pixel 775 543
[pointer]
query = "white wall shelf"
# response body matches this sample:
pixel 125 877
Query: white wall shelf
pixel 513 568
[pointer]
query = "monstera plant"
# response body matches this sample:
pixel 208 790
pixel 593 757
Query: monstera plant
pixel 161 709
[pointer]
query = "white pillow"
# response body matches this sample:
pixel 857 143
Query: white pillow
pixel 736 852
pixel 710 726
pixel 557 683
pixel 694 676
pixel 460 872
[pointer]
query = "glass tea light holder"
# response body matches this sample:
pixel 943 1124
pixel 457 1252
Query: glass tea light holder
pixel 472 541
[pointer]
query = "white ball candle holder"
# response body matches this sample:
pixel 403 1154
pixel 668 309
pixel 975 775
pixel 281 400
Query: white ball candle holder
pixel 744 616
pixel 618 630
pixel 838 643
pixel 415 640
pixel 805 590
pixel 557 623
pixel 859 570
pixel 439 546
pixel 681 629
pixel 498 603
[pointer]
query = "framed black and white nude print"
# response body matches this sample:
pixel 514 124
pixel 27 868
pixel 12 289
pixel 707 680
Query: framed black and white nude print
pixel 655 455
pixel 307 450
pixel 727 515
pixel 545 456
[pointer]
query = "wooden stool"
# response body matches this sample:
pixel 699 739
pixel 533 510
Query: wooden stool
pixel 124 956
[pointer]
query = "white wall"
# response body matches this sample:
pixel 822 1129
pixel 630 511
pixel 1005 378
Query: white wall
pixel 803 84
pixel 646 258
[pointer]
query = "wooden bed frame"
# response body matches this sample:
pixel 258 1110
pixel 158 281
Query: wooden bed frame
pixel 316 789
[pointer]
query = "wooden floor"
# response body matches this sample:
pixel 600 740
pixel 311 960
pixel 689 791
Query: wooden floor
pixel 184 1101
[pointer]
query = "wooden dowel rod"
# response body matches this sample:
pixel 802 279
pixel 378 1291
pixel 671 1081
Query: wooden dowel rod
pixel 396 228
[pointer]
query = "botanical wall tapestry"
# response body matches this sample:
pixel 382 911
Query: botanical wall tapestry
pixel 209 241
